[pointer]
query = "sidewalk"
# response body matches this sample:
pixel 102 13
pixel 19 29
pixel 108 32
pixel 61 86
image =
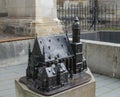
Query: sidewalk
pixel 7 77
pixel 105 86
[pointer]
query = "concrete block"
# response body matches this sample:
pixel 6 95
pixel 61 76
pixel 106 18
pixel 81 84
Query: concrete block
pixel 117 60
pixel 102 57
pixel 3 53
pixel 85 90
pixel 14 53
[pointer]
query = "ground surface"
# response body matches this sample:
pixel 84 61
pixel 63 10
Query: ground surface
pixel 105 86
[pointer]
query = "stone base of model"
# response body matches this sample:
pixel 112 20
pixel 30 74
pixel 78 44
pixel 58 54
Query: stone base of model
pixel 84 90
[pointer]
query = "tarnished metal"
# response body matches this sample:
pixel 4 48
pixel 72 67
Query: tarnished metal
pixel 55 64
pixel 77 48
pixel 76 31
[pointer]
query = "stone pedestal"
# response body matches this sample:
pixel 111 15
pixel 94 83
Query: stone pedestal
pixel 31 17
pixel 84 90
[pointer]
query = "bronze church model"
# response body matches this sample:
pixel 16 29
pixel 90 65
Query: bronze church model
pixel 56 64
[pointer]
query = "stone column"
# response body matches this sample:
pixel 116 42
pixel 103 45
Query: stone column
pixel 33 16
pixel 45 20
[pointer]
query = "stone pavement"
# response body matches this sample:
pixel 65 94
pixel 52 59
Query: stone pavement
pixel 105 86
pixel 7 76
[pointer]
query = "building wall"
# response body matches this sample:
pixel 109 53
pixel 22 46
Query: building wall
pixel 3 8
pixel 61 2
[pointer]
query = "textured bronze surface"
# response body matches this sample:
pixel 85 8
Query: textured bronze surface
pixel 76 31
pixel 77 80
